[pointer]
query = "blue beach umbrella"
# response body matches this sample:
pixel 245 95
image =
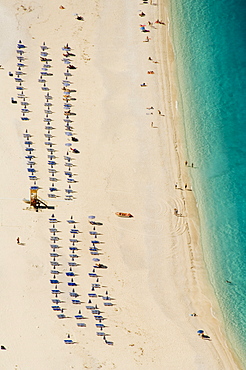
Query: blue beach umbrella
pixel 200 331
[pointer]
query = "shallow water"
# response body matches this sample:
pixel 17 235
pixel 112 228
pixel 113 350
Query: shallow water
pixel 210 48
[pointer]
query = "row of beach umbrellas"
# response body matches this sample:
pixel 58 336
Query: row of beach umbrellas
pixel 67 106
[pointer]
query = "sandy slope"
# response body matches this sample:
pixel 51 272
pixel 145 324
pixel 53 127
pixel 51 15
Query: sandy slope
pixel 154 264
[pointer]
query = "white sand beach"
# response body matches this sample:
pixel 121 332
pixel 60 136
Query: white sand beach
pixel 129 160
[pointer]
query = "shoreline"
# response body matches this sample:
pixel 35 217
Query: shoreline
pixel 124 164
pixel 200 283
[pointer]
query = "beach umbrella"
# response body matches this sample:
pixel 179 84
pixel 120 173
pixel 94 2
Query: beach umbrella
pixel 200 331
pixel 44 47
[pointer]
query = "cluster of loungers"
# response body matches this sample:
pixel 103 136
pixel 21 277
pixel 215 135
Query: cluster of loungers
pixel 71 275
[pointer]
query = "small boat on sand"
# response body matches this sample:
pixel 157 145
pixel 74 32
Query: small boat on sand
pixel 122 214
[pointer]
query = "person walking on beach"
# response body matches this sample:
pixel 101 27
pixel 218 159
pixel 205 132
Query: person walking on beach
pixel 186 163
pixel 18 240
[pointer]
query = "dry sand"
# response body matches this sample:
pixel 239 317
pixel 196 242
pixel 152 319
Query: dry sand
pixel 155 268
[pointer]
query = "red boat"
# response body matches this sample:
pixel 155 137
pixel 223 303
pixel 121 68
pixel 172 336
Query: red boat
pixel 122 214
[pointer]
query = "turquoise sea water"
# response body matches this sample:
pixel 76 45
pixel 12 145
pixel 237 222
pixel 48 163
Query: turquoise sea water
pixel 210 48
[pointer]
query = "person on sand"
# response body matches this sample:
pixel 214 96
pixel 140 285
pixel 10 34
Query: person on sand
pixel 186 163
pixel 143 84
pixel 18 240
pixel 147 39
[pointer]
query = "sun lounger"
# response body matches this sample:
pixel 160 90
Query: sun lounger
pixel 81 324
pixel 108 303
pixel 73 255
pixel 73 294
pixel 56 308
pixel 53 220
pixel 55 291
pixel 54 281
pixel 96 285
pixel 56 301
pixel 54 238
pixel 89 307
pixel 98 317
pixel 70 273
pixel 106 298
pixel 76 301
pixel 53 189
pixel 92 295
pixel 72 264
pixel 109 343
pixel 54 255
pixel 54 246
pixel 68 197
pixel 69 180
pixel 100 333
pixel 53 230
pixel 73 248
pixel 96 312
pixel 68 341
pixel 61 316
pixel 52 196
pixel 91 274
pixel 54 272
pixel 100 325
pixel 54 263
pixel 71 283
pixel 33 177
pixel 79 317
